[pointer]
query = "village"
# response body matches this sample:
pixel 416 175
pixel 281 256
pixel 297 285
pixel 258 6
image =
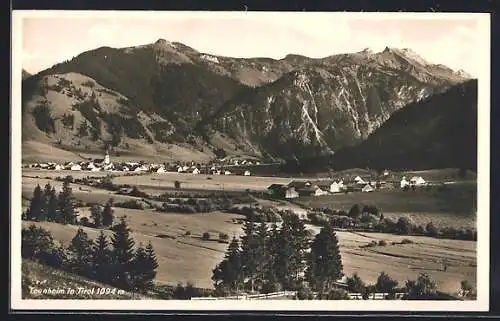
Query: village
pixel 292 190
pixel 105 164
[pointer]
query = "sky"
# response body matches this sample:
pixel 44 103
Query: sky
pixel 452 40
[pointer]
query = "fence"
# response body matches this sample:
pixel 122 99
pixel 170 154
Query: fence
pixel 270 296
pixel 375 296
pixel 267 296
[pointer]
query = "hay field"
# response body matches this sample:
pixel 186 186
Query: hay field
pixel 406 261
pixel 185 258
pixel 190 181
pixel 181 258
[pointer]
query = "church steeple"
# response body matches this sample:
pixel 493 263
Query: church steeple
pixel 106 158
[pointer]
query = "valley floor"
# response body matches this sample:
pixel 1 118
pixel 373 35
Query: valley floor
pixel 183 256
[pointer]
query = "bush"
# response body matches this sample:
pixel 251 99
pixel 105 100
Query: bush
pixel 431 230
pixel 407 241
pixel 132 204
pixel 404 226
pixel 382 243
pixel 205 236
pixel 223 237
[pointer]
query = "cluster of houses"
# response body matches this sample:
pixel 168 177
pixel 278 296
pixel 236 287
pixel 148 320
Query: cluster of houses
pixel 296 189
pixel 105 164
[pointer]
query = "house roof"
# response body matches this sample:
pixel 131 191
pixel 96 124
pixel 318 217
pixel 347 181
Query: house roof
pixel 276 186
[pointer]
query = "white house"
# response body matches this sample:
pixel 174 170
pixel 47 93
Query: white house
pixel 291 193
pixel 95 169
pixel 180 169
pixel 417 180
pixel 76 167
pixel 404 182
pixel 125 169
pixel 196 171
pixel 247 173
pixel 58 167
pixel 227 173
pixel 161 170
pixel 141 168
pixel 386 173
pixel 359 180
pixel 185 168
pixel 334 187
pixel 367 188
pixel 319 192
pixel 91 166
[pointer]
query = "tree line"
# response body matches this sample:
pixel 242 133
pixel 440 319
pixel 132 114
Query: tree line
pixel 117 261
pixel 269 260
pixel 48 205
pixel 371 218
pixel 265 260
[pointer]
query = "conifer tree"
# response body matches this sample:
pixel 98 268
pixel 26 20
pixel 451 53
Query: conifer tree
pixel 145 265
pixel 101 258
pixel 44 214
pixel 227 273
pixel 249 252
pixel 325 263
pixel 290 260
pixel 263 259
pixel 36 205
pixel 67 204
pixel 81 253
pixel 122 255
pixel 107 213
pixel 96 215
pixel 53 213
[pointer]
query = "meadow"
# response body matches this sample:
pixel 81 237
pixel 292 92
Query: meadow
pixel 184 256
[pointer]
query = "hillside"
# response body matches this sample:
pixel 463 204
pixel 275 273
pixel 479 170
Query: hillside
pixel 168 99
pixel 25 74
pixel 438 132
pixel 39 277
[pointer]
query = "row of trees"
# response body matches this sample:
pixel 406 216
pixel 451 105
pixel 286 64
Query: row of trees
pixel 268 260
pixel 371 218
pixel 115 262
pixel 47 205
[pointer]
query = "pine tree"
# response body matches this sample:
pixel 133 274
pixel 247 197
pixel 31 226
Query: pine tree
pixel 122 255
pixel 36 205
pixel 249 252
pixel 325 263
pixel 53 213
pixel 227 273
pixel 107 213
pixel 67 204
pixel 263 259
pixel 44 215
pixel 101 259
pixel 81 253
pixel 96 215
pixel 290 256
pixel 145 265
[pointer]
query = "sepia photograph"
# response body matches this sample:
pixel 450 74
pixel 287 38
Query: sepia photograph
pixel 250 161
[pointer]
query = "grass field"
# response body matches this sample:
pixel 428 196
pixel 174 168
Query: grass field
pixel 184 258
pixel 451 208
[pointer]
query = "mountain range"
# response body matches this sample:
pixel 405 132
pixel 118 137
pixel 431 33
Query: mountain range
pixel 168 100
